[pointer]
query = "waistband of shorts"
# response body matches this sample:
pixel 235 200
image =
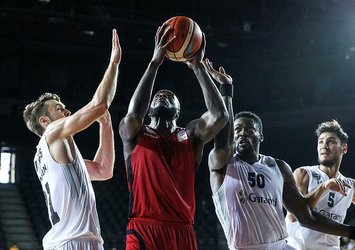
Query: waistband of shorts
pixel 162 223
pixel 91 237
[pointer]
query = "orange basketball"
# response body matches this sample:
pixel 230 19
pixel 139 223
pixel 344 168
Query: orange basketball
pixel 188 39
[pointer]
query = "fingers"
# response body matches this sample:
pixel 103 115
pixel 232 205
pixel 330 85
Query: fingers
pixel 161 35
pixel 114 38
pixel 210 66
pixel 116 52
pixel 340 186
pixel 158 33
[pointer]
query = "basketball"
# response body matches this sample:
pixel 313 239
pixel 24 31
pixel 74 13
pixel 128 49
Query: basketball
pixel 188 39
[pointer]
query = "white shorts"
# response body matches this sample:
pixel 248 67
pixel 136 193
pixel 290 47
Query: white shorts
pixel 82 244
pixel 295 237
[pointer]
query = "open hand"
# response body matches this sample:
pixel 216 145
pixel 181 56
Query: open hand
pixel 116 52
pixel 161 44
pixel 219 75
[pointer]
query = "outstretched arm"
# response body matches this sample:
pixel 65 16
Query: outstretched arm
pixel 100 102
pixel 223 142
pixel 211 122
pixel 296 204
pixel 101 168
pixel 139 104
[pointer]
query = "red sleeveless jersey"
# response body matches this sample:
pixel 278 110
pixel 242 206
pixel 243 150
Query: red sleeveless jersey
pixel 161 177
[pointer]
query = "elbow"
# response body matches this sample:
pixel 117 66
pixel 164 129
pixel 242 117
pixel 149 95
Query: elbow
pixel 304 223
pixel 223 118
pixel 307 221
pixel 107 175
pixel 103 107
pixel 106 171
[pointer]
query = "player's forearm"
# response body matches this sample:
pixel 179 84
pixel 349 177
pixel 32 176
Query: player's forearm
pixel 140 100
pixel 324 224
pixel 224 139
pixel 212 97
pixel 314 196
pixel 107 89
pixel 105 155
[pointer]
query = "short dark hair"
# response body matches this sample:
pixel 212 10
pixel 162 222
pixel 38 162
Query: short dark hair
pixel 332 127
pixel 36 109
pixel 250 115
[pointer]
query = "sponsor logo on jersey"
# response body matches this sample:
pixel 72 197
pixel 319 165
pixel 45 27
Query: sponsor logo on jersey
pixel 317 178
pixel 270 162
pixel 333 216
pixel 252 197
pixel 243 196
pixel 181 135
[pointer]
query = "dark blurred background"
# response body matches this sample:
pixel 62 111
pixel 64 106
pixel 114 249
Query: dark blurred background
pixel 292 62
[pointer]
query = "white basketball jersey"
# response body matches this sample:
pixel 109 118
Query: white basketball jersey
pixel 249 204
pixel 69 197
pixel 332 205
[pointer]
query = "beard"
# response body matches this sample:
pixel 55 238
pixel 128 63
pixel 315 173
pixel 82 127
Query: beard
pixel 163 112
pixel 327 163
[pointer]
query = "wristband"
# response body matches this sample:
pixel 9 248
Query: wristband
pixel 352 232
pixel 226 90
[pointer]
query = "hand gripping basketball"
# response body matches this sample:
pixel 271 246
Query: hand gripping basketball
pixel 188 39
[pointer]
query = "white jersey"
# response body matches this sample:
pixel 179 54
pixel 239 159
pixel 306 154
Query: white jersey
pixel 69 197
pixel 249 205
pixel 332 205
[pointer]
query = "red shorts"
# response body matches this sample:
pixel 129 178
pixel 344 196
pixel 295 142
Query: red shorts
pixel 146 234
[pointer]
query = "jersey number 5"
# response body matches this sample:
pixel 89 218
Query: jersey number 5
pixel 331 199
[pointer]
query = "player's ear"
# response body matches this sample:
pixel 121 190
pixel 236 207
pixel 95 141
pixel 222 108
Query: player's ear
pixel 177 114
pixel 261 137
pixel 44 121
pixel 344 148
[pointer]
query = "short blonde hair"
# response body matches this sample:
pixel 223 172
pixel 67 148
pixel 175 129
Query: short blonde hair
pixel 35 110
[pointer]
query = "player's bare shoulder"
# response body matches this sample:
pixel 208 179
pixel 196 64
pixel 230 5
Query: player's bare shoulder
pixel 191 129
pixel 284 167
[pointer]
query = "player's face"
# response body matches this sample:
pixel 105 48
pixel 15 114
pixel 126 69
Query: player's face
pixel 165 104
pixel 165 98
pixel 56 110
pixel 247 136
pixel 330 149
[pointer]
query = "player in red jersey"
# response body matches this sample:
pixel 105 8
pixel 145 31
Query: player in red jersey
pixel 161 158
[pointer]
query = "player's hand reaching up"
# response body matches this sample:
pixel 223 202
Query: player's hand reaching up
pixel 161 44
pixel 219 75
pixel 199 57
pixel 116 52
